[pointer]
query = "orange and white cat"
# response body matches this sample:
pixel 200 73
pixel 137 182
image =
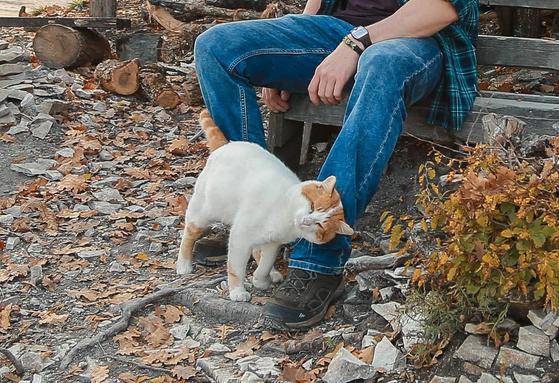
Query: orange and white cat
pixel 265 203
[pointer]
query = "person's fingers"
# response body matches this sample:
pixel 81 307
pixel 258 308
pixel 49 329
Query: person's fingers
pixel 339 90
pixel 329 92
pixel 313 89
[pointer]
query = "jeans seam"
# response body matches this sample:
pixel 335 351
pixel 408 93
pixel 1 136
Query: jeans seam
pixel 313 266
pixel 269 51
pixel 392 116
pixel 244 119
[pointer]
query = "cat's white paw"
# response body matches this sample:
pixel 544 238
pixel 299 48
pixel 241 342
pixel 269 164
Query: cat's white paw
pixel 183 266
pixel 239 294
pixel 276 276
pixel 261 283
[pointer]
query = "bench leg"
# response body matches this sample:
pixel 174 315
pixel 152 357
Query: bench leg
pixel 285 139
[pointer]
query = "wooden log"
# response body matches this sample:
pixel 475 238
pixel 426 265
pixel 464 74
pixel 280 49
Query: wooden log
pixel 538 4
pixel 58 46
pixel 102 8
pixel 156 88
pixel 190 10
pixel 121 77
pixel 75 22
pixel 164 18
pixel 527 23
pixel 145 46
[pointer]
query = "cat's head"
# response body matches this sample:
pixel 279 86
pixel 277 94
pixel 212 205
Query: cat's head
pixel 321 215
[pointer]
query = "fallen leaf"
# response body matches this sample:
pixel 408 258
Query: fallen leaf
pixel 183 372
pixel 72 182
pixel 179 147
pixel 5 316
pixel 53 318
pixel 99 374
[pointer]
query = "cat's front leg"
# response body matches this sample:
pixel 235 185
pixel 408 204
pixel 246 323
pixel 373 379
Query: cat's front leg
pixel 266 257
pixel 237 260
pixel 184 259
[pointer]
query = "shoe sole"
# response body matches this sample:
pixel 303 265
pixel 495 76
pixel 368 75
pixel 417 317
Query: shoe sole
pixel 272 322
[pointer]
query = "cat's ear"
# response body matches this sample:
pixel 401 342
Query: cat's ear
pixel 329 184
pixel 344 229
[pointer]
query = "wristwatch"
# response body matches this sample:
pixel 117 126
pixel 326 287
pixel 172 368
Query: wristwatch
pixel 361 34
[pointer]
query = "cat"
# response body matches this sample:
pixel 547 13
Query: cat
pixel 266 204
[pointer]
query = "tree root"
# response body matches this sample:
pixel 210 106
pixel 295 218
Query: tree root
pixel 20 370
pixel 128 309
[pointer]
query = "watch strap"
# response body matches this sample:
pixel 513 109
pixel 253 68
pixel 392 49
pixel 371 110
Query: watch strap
pixel 347 41
pixel 365 39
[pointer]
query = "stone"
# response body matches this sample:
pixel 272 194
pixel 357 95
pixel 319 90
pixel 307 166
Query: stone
pixel 521 378
pixel 509 357
pixel 37 378
pixel 42 129
pixel 411 324
pixel 106 208
pixel 53 175
pixel 533 341
pixel 65 152
pixel 105 155
pixel 171 220
pixel 53 106
pixel 155 247
pixel 3 44
pixel 218 369
pixel 250 377
pixel 35 248
pixel 487 378
pixel 187 342
pixel 218 348
pixel 387 357
pixel 36 274
pixel 180 331
pixel 442 379
pixel 185 182
pixel 32 361
pixel 8 69
pixel 371 280
pixel 108 195
pixel 6 219
pixel 264 367
pixel 14 210
pixel 116 267
pixel 464 379
pixel 475 350
pixel 387 293
pixel 554 350
pixel 548 322
pixel 91 253
pixel 12 54
pixel 34 168
pixel 12 242
pixel 99 106
pixel 389 311
pixel 346 367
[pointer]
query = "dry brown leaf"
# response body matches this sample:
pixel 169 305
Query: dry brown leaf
pixel 244 349
pixel 73 182
pixel 295 374
pixel 53 318
pixel 159 337
pixel 183 372
pixel 99 374
pixel 179 147
pixel 330 312
pixel 366 355
pixel 172 314
pixel 5 316
pixel 128 377
pixel 13 271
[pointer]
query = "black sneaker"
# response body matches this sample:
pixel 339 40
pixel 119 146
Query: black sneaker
pixel 301 300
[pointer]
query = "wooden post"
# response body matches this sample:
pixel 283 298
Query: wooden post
pixel 102 8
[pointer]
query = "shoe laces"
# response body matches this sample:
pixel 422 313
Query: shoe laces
pixel 296 282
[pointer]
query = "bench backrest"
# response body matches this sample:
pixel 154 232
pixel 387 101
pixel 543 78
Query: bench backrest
pixel 518 51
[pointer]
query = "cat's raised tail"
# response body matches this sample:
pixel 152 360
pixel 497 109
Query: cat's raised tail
pixel 215 137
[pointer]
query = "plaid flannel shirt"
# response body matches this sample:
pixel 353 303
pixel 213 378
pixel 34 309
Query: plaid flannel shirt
pixel 454 97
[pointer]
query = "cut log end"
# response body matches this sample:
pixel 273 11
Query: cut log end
pixel 58 46
pixel 118 76
pixel 167 99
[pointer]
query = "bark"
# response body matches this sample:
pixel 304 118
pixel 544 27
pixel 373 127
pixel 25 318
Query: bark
pixel 120 77
pixel 58 46
pixel 156 88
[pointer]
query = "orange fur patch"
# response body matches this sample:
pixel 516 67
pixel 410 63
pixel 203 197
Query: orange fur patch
pixel 214 135
pixel 324 200
pixel 191 234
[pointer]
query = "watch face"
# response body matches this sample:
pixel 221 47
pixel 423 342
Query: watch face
pixel 359 32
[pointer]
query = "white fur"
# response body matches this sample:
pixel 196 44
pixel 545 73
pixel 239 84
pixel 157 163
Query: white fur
pixel 248 188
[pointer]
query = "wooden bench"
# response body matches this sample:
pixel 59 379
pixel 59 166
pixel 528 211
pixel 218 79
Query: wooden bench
pixel 289 133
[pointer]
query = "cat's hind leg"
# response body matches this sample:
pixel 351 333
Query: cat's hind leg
pixel 237 260
pixel 265 273
pixel 184 260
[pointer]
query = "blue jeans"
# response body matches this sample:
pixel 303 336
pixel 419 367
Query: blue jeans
pixel 233 58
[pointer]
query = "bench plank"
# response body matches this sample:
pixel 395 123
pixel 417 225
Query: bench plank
pixel 538 4
pixel 518 52
pixel 542 118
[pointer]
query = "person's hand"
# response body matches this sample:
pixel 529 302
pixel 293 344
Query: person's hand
pixel 332 75
pixel 275 100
